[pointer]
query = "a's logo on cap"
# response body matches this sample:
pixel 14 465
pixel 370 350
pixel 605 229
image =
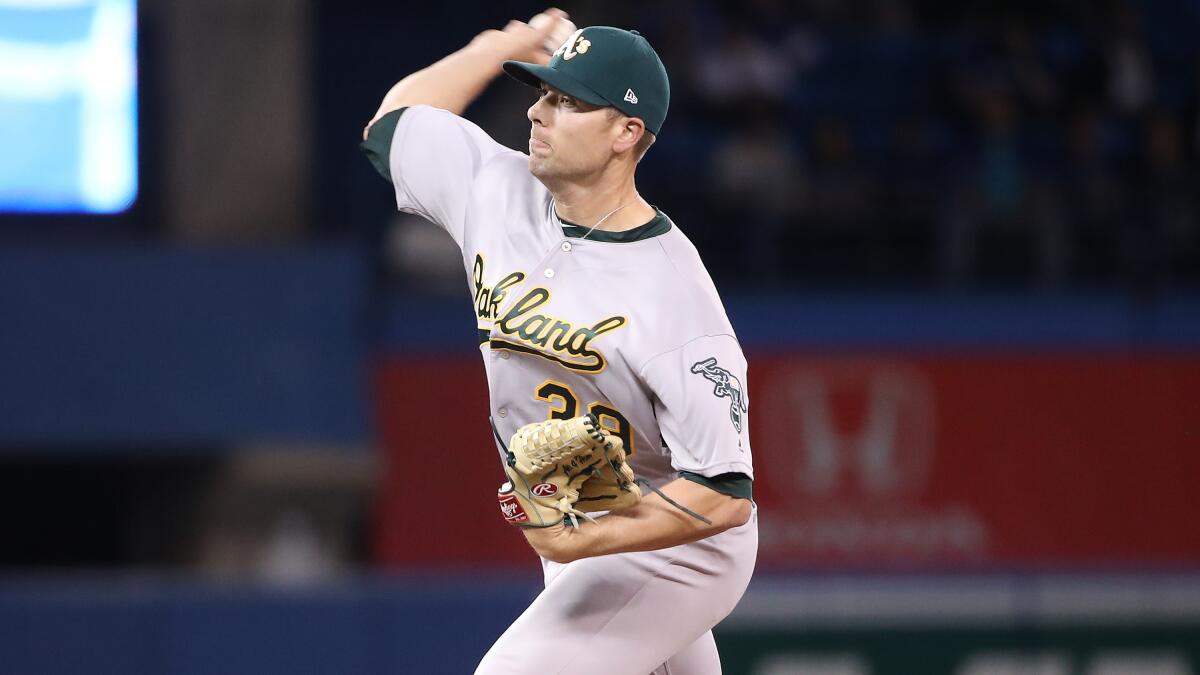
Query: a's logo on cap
pixel 574 45
pixel 630 96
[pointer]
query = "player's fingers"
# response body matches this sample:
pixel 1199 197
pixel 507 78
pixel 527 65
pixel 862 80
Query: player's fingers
pixel 525 33
pixel 553 27
pixel 555 15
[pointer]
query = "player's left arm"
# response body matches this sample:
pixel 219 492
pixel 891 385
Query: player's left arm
pixel 652 524
pixel 702 410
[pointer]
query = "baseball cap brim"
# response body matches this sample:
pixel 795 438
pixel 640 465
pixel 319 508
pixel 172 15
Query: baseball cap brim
pixel 534 75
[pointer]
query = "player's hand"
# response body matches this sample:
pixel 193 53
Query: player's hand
pixel 532 42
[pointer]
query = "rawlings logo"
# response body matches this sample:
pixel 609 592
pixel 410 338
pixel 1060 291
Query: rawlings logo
pixel 545 489
pixel 726 385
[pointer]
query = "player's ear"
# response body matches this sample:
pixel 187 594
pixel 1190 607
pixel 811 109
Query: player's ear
pixel 632 130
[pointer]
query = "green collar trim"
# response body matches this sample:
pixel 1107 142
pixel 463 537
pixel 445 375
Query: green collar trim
pixel 659 224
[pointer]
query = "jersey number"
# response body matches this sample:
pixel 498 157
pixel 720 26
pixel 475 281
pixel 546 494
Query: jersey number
pixel 564 405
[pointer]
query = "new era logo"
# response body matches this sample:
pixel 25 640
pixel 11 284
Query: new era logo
pixel 630 96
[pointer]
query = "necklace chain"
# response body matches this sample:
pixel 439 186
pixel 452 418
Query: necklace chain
pixel 598 222
pixel 589 232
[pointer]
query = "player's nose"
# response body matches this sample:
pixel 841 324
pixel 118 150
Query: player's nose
pixel 537 112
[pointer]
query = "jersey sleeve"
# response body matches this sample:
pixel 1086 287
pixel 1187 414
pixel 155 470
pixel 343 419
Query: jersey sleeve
pixel 433 158
pixel 702 406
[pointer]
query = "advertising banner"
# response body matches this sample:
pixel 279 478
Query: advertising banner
pixel 865 461
pixel 964 460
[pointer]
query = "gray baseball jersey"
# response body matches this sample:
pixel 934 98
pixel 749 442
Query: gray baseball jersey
pixel 625 325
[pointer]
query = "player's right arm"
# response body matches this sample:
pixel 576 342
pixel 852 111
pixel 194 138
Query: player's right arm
pixel 432 156
pixel 457 80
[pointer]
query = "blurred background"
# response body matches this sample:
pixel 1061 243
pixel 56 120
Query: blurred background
pixel 958 241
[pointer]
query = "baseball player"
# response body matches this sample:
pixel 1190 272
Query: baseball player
pixel 590 301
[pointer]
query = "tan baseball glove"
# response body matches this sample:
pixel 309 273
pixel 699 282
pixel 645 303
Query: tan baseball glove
pixel 612 484
pixel 546 463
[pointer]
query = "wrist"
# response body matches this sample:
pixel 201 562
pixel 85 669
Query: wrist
pixel 555 543
pixel 498 46
pixel 495 47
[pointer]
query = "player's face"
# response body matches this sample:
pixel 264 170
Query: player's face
pixel 568 138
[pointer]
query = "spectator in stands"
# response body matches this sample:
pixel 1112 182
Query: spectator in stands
pixel 1036 84
pixel 1162 235
pixel 843 192
pixel 1094 194
pixel 757 180
pixel 1003 220
pixel 1131 84
pixel 743 66
pixel 910 195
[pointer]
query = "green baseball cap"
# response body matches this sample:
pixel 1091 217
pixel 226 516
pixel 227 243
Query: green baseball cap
pixel 605 66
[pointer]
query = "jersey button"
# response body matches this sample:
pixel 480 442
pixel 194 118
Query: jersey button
pixel 549 273
pixel 503 412
pixel 566 246
pixel 504 355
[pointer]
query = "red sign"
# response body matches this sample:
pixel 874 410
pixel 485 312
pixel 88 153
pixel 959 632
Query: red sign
pixel 432 417
pixel 872 462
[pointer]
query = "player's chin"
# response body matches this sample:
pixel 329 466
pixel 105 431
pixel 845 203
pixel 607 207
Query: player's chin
pixel 538 166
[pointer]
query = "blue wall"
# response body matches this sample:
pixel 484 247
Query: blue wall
pixel 181 346
pixel 844 320
pixel 146 627
pixel 442 625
